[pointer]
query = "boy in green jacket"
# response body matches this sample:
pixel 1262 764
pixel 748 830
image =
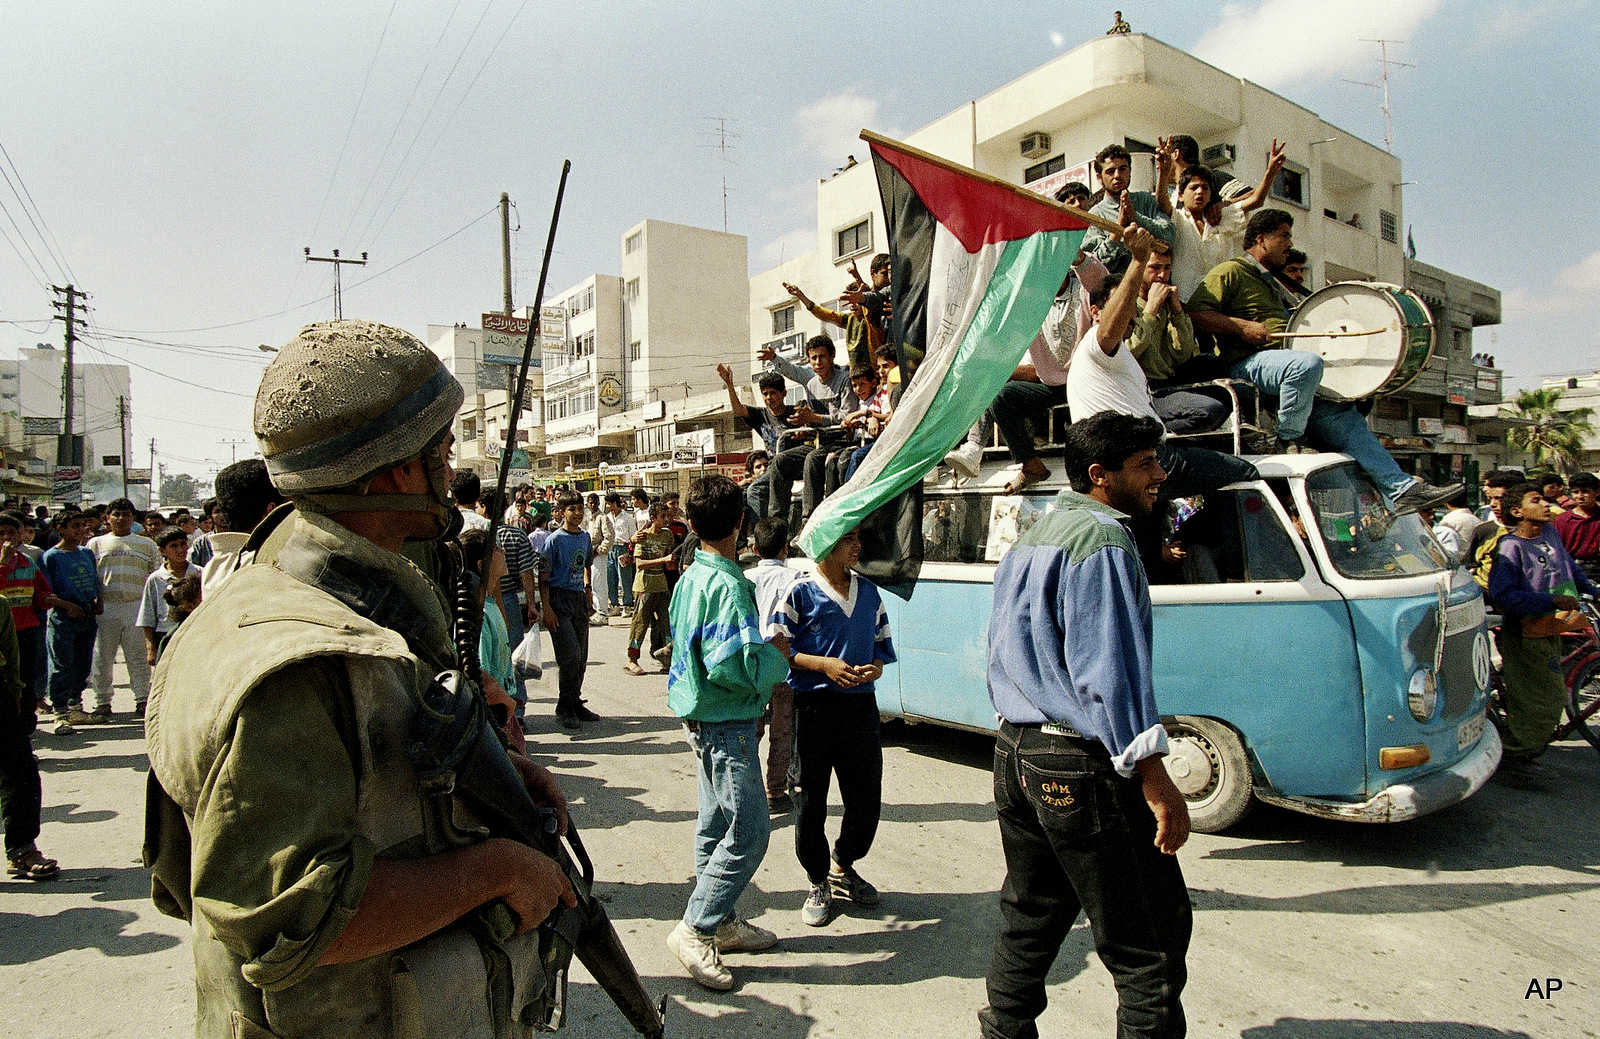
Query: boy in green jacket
pixel 722 676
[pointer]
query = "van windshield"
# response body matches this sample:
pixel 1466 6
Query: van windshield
pixel 1364 537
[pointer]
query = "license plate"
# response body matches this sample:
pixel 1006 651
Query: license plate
pixel 1467 732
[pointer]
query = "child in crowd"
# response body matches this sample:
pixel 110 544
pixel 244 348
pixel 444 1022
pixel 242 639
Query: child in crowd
pixel 772 579
pixel 27 591
pixel 652 551
pixel 125 560
pixel 720 683
pixel 494 644
pixel 21 795
pixel 69 634
pixel 568 602
pixel 619 564
pixel 838 633
pixel 182 598
pixel 154 618
pixel 1534 581
pixel 870 420
pixel 1579 526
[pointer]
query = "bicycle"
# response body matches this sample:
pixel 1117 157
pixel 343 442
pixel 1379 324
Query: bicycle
pixel 1580 667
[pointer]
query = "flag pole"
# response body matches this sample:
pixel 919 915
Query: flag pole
pixel 1109 226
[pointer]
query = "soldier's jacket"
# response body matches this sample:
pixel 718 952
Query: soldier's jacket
pixel 277 728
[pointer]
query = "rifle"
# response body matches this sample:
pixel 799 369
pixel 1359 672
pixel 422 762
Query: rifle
pixel 458 754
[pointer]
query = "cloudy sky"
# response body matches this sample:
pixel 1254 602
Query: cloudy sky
pixel 179 156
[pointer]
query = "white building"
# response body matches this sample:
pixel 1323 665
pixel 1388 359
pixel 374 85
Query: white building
pixel 31 387
pixel 481 424
pixel 1044 128
pixel 642 346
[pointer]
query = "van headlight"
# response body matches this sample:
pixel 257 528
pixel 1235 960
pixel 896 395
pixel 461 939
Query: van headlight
pixel 1423 696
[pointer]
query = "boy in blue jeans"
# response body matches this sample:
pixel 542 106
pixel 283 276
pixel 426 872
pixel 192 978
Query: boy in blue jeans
pixel 71 571
pixel 722 675
pixel 568 601
pixel 839 640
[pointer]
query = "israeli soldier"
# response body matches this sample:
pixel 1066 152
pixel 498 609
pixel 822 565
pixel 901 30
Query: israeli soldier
pixel 332 891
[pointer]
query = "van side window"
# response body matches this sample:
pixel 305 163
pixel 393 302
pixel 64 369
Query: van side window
pixel 976 528
pixel 1269 550
pixel 1234 537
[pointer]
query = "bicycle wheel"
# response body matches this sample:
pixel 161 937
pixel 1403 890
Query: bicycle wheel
pixel 1583 702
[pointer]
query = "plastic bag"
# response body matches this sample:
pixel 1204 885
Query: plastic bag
pixel 528 658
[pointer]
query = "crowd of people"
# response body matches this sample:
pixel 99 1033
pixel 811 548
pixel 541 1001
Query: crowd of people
pixel 357 530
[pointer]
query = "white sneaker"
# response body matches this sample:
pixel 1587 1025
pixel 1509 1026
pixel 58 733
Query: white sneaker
pixel 740 935
pixel 818 907
pixel 965 459
pixel 698 954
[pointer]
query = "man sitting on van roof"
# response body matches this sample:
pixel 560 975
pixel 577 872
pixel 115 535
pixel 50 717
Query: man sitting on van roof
pixel 1242 303
pixel 1105 376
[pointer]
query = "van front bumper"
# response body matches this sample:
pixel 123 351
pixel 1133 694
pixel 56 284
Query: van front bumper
pixel 1403 801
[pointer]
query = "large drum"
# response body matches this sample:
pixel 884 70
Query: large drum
pixel 1359 366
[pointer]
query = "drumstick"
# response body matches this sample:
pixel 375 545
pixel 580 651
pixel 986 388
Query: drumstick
pixel 1323 335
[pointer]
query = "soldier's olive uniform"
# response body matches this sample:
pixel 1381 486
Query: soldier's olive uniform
pixel 279 722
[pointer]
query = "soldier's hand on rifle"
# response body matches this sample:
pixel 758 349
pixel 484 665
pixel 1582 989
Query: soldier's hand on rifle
pixel 534 884
pixel 543 788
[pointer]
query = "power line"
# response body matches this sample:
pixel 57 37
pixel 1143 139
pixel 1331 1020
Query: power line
pixel 377 206
pixel 404 109
pixel 442 130
pixel 320 299
pixel 45 274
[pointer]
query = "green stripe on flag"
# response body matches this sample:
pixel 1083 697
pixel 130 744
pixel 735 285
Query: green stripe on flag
pixel 1015 304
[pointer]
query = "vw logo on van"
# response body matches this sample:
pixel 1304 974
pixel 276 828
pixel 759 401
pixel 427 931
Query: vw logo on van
pixel 1480 659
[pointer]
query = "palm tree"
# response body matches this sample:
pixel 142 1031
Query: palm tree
pixel 1557 435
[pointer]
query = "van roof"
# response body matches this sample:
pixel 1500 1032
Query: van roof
pixel 994 475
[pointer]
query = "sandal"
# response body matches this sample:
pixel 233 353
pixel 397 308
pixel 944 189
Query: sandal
pixel 1031 473
pixel 632 667
pixel 30 865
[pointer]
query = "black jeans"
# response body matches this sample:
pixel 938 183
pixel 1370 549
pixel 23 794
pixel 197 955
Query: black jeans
pixel 788 467
pixel 20 792
pixel 1077 836
pixel 1014 405
pixel 836 733
pixel 1199 470
pixel 571 639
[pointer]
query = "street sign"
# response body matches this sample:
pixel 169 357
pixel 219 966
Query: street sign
pixel 41 427
pixel 553 325
pixel 36 467
pixel 504 339
pixel 68 484
pixel 138 476
pixel 686 458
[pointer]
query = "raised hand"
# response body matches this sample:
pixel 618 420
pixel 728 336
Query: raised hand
pixel 1125 215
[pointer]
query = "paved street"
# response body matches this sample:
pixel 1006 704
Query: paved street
pixel 1304 929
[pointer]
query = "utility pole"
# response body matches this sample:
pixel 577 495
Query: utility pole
pixel 67 445
pixel 505 249
pixel 338 293
pixel 1383 85
pixel 122 444
pixel 234 444
pixel 155 474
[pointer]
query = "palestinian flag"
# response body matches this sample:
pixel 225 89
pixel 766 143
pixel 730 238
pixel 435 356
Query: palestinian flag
pixel 977 263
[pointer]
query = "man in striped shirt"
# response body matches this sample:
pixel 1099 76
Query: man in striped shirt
pixel 125 561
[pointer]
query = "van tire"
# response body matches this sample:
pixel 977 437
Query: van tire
pixel 1207 761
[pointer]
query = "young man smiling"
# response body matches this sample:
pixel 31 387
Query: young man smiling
pixel 1089 819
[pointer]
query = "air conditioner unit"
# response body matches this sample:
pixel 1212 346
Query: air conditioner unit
pixel 1035 145
pixel 1218 155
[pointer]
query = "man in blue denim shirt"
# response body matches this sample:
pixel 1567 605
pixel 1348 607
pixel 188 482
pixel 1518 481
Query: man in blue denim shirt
pixel 1089 819
pixel 722 675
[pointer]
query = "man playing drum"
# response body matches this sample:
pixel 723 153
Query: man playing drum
pixel 1242 303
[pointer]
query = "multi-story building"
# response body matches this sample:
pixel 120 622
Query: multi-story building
pixel 1578 393
pixel 641 347
pixel 1043 129
pixel 31 386
pixel 480 426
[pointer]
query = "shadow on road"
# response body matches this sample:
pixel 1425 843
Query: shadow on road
pixel 68 813
pixel 1300 1028
pixel 29 939
pixel 138 762
pixel 591 1011
pixel 1386 898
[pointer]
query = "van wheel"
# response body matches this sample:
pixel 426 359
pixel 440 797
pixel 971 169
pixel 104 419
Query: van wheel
pixel 1207 762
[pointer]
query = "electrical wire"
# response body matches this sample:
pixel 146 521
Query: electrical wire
pixel 377 167
pixel 320 299
pixel 377 206
pixel 45 282
pixel 443 129
pixel 43 240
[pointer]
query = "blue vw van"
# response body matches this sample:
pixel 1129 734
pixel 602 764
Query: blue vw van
pixel 1312 649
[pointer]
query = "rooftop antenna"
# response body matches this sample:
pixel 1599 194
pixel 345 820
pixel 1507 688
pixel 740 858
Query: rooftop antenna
pixel 722 134
pixel 1385 63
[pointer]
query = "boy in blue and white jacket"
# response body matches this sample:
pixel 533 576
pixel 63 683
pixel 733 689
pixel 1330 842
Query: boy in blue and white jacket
pixel 839 641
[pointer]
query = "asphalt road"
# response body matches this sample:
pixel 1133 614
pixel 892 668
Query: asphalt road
pixel 1304 929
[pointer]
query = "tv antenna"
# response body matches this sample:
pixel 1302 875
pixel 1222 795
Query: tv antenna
pixel 1385 63
pixel 722 147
